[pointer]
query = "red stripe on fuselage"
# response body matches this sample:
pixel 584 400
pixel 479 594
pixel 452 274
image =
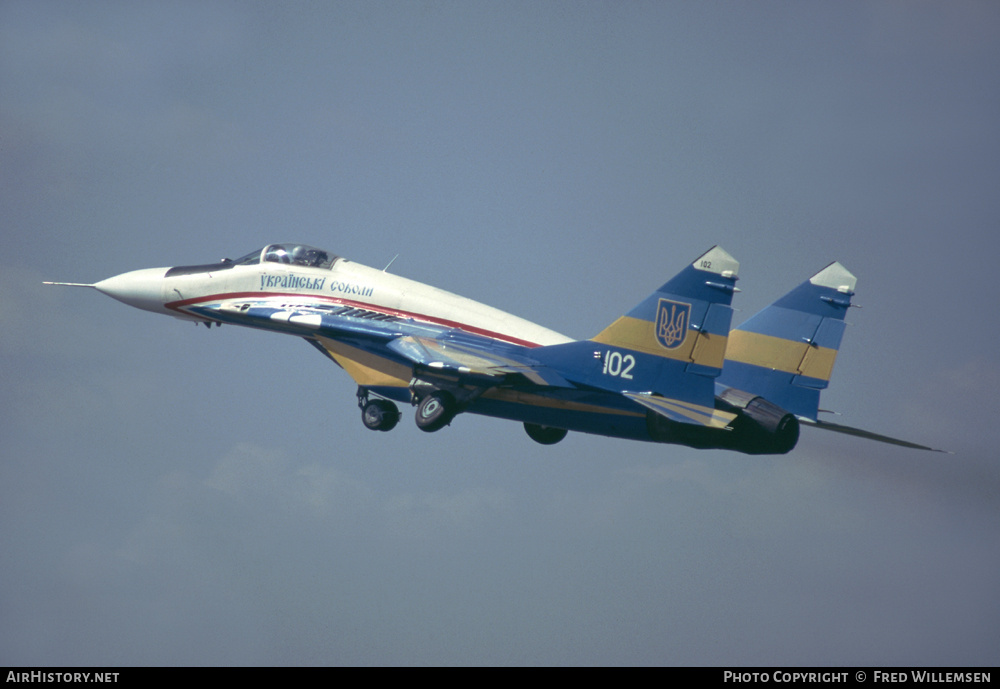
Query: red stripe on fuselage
pixel 178 305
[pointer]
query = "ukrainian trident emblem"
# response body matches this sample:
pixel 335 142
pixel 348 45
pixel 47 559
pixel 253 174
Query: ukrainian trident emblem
pixel 672 318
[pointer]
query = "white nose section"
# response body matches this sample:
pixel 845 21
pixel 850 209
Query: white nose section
pixel 142 289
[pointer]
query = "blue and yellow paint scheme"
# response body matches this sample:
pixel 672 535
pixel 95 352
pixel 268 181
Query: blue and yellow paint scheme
pixel 668 370
pixel 786 352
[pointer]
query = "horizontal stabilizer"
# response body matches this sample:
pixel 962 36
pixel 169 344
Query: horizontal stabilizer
pixel 868 435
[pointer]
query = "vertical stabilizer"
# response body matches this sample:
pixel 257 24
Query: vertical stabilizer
pixel 786 352
pixel 687 319
pixel 672 343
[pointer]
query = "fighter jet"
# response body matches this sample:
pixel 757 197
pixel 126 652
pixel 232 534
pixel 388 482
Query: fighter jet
pixel 670 370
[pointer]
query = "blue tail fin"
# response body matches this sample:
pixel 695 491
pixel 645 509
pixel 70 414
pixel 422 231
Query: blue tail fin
pixel 685 321
pixel 786 352
pixel 672 343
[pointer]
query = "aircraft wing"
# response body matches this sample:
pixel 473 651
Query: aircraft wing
pixel 476 357
pixel 473 359
pixel 859 433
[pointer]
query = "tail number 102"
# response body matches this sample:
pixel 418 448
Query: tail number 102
pixel 618 364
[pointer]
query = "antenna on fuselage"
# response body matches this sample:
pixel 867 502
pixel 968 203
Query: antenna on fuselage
pixel 390 263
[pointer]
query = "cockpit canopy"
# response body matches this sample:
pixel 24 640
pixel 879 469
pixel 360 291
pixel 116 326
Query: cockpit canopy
pixel 291 254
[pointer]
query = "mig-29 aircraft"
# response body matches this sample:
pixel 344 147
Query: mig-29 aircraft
pixel 670 370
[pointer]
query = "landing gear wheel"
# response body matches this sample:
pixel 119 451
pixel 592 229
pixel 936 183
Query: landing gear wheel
pixel 379 415
pixel 435 411
pixel 546 435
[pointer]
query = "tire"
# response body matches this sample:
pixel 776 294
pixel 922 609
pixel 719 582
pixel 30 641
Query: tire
pixel 435 411
pixel 380 415
pixel 545 435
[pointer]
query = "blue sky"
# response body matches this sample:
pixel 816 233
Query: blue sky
pixel 171 495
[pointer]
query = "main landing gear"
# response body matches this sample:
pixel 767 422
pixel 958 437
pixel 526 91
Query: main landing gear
pixel 377 414
pixel 435 410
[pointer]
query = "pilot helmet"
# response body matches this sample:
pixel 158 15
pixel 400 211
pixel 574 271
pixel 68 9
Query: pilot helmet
pixel 277 254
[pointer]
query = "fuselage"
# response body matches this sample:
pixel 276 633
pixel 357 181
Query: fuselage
pixel 223 292
pixel 176 291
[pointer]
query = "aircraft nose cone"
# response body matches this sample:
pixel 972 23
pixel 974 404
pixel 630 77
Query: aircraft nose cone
pixel 142 289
